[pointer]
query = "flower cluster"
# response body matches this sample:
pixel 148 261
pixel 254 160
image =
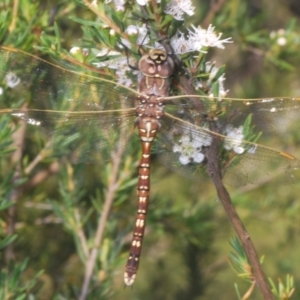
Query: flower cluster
pixel 197 39
pixel 119 4
pixel 190 146
pixel 12 80
pixel 122 70
pixel 234 139
pixel 142 37
pixel 176 8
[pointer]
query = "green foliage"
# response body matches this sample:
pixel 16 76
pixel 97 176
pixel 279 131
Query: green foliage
pixel 61 206
pixel 12 284
pixel 239 261
pixel 6 146
pixel 283 292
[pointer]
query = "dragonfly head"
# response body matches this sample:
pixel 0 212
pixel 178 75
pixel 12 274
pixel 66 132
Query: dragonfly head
pixel 158 56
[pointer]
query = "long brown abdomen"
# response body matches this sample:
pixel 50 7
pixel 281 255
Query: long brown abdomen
pixel 147 129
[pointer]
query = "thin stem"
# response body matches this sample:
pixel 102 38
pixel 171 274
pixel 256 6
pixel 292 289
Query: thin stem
pixel 249 292
pixel 213 170
pixel 244 237
pixel 113 185
pixel 42 154
pixel 14 16
pixel 106 20
pixel 157 15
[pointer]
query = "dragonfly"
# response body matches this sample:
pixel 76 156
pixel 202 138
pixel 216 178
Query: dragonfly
pixel 86 117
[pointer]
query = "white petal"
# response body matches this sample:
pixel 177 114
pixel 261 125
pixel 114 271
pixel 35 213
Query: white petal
pixel 184 160
pixel 238 150
pixel 12 80
pixel 132 30
pixel 196 144
pixel 126 43
pixel 206 141
pixel 177 8
pixel 227 145
pixel 177 148
pixel 94 3
pixel 198 157
pixel 142 2
pixel 75 50
pixel 185 139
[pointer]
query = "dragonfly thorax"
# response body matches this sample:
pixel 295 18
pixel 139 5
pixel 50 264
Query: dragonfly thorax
pixel 150 107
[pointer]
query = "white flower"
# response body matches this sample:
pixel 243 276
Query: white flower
pixel 141 32
pixel 125 43
pixel 132 30
pixel 12 80
pixel 85 51
pixel 1 90
pixel 234 139
pixel 78 50
pixel 197 39
pixel 206 38
pixel 106 51
pixel 120 64
pixel 123 78
pixel 281 37
pixel 142 2
pixel 121 67
pixel 94 3
pixel 198 85
pixel 177 8
pixel 281 41
pixel 75 50
pixel 180 44
pixel 143 36
pixel 190 146
pixel 206 140
pixel 190 151
pixel 119 4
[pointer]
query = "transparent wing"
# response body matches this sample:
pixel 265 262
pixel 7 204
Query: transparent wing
pixel 88 116
pixel 269 115
pixel 184 147
pixel 82 115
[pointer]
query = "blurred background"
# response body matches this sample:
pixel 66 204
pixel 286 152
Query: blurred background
pixel 186 246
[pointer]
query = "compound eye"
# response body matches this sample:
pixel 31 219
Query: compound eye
pixel 158 56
